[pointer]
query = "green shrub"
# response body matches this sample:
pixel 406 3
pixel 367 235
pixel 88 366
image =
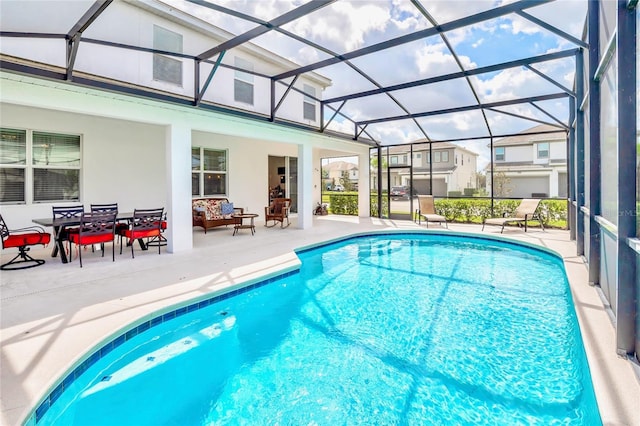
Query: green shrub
pixel 374 205
pixel 475 210
pixel 343 204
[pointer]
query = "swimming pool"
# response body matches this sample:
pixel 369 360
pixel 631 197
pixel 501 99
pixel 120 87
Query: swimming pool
pixel 384 329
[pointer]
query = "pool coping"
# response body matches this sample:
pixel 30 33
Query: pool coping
pixel 93 354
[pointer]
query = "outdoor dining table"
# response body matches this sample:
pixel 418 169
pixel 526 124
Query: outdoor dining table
pixel 59 224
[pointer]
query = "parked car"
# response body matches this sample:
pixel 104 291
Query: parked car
pixel 399 192
pixel 338 187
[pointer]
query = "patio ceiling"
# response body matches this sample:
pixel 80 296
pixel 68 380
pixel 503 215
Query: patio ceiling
pixel 400 70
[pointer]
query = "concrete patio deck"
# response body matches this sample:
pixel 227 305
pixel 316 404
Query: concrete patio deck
pixel 51 315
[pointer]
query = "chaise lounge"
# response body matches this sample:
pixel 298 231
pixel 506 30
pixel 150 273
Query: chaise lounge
pixel 427 211
pixel 525 211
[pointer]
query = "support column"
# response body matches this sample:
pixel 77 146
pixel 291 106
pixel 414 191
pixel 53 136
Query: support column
pixel 594 144
pixel 179 232
pixel 364 186
pixel 578 133
pixel 553 183
pixel 626 333
pixel 305 186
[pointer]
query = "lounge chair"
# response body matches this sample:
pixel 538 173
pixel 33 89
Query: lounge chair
pixel 525 212
pixel 427 211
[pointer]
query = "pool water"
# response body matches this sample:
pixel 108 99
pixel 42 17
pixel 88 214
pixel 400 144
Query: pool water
pixel 375 330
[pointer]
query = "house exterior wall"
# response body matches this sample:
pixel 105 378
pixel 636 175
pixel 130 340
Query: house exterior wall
pixel 527 175
pixel 108 147
pixel 131 24
pixel 464 175
pixel 124 141
pixel 523 153
pixel 558 151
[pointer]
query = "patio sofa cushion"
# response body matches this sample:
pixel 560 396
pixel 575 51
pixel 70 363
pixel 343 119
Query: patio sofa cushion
pixel 208 213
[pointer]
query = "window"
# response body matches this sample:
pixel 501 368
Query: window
pixel 499 153
pixel 441 156
pixel 13 164
pixel 243 82
pixel 208 172
pixel 394 159
pixel 543 150
pixel 49 163
pixel 166 68
pixel 308 103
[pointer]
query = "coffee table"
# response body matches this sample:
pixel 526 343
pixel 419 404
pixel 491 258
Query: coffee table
pixel 240 222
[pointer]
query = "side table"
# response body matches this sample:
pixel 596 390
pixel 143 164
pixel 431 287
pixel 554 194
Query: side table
pixel 240 222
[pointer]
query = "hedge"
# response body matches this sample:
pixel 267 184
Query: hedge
pixel 461 210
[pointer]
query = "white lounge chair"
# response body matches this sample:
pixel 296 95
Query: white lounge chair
pixel 525 211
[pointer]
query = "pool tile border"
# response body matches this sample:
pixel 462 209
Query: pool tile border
pixel 132 332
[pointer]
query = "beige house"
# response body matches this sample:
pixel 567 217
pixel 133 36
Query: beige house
pixel 336 171
pixel 446 168
pixel 531 164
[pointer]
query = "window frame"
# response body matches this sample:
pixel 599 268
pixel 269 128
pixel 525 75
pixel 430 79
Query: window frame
pixel 308 101
pixel 201 172
pixel 243 78
pixel 157 29
pixel 500 156
pixel 538 150
pixel 30 167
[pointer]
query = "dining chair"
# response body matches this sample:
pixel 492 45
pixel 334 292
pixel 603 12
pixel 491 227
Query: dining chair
pixel 22 239
pixel 111 207
pixel 95 228
pixel 146 223
pixel 66 212
pixel 160 239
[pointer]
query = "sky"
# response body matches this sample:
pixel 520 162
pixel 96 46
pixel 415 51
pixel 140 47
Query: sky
pixel 348 25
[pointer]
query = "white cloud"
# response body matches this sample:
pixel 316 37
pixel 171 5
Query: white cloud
pixel 344 25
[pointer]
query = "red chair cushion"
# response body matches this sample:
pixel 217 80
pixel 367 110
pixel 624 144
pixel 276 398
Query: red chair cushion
pixel 90 239
pixel 30 239
pixel 134 235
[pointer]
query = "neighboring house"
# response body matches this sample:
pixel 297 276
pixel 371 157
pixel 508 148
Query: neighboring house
pixel 452 168
pixel 76 141
pixel 336 171
pixel 530 164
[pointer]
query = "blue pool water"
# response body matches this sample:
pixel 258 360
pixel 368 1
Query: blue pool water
pixel 375 330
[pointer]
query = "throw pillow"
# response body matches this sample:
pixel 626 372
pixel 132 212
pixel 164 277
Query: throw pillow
pixel 226 209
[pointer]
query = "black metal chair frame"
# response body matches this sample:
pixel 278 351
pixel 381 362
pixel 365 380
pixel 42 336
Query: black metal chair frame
pixel 66 212
pixel 97 225
pixel 144 224
pixel 160 240
pixel 26 261
pixel 105 208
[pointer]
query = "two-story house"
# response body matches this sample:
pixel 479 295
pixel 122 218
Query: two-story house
pixel 146 110
pixel 339 172
pixel 452 168
pixel 530 164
